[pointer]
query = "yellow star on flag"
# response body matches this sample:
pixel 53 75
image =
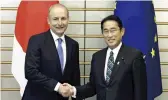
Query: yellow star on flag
pixel 155 19
pixel 155 38
pixel 153 52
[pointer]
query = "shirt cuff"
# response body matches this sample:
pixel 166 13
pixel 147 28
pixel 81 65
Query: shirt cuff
pixel 74 94
pixel 57 87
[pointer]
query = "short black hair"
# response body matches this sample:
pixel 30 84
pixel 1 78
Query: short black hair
pixel 113 18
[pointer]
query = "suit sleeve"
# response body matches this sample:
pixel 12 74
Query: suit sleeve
pixel 87 90
pixel 76 72
pixel 139 78
pixel 32 66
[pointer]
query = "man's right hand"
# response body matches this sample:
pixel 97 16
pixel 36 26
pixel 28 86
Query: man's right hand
pixel 72 90
pixel 65 90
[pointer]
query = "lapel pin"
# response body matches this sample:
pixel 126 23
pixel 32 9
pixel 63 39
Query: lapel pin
pixel 118 63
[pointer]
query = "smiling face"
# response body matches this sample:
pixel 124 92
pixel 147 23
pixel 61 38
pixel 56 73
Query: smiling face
pixel 58 19
pixel 112 33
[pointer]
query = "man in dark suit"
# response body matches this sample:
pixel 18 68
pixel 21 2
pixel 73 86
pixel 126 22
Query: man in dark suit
pixel 52 58
pixel 118 72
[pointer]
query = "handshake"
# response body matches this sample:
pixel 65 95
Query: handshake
pixel 66 90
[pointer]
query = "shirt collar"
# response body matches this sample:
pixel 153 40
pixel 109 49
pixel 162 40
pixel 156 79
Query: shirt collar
pixel 55 37
pixel 116 50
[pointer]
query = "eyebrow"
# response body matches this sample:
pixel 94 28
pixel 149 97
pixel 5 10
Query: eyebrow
pixel 110 28
pixel 113 28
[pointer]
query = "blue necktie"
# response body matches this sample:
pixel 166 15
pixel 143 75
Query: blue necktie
pixel 60 53
pixel 110 65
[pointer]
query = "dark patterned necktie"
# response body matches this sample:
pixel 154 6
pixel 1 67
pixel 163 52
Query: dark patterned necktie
pixel 110 65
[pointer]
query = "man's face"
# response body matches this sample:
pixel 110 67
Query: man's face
pixel 112 33
pixel 58 20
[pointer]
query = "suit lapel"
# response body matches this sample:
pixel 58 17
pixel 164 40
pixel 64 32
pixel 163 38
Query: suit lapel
pixel 117 63
pixel 51 47
pixel 102 65
pixel 68 52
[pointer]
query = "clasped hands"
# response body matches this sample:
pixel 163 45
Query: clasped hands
pixel 66 90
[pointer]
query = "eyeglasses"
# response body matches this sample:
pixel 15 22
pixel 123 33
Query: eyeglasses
pixel 111 31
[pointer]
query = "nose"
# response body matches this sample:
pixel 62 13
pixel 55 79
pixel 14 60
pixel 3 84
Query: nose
pixel 59 22
pixel 110 34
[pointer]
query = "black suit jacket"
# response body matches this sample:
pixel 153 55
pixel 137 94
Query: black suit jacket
pixel 43 69
pixel 128 79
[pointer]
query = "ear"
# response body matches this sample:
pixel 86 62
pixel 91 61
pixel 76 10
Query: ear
pixel 122 31
pixel 68 18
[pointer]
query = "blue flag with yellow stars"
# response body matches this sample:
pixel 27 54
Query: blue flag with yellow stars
pixel 138 18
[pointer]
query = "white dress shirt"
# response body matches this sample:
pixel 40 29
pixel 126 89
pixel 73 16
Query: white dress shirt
pixel 115 53
pixel 55 37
